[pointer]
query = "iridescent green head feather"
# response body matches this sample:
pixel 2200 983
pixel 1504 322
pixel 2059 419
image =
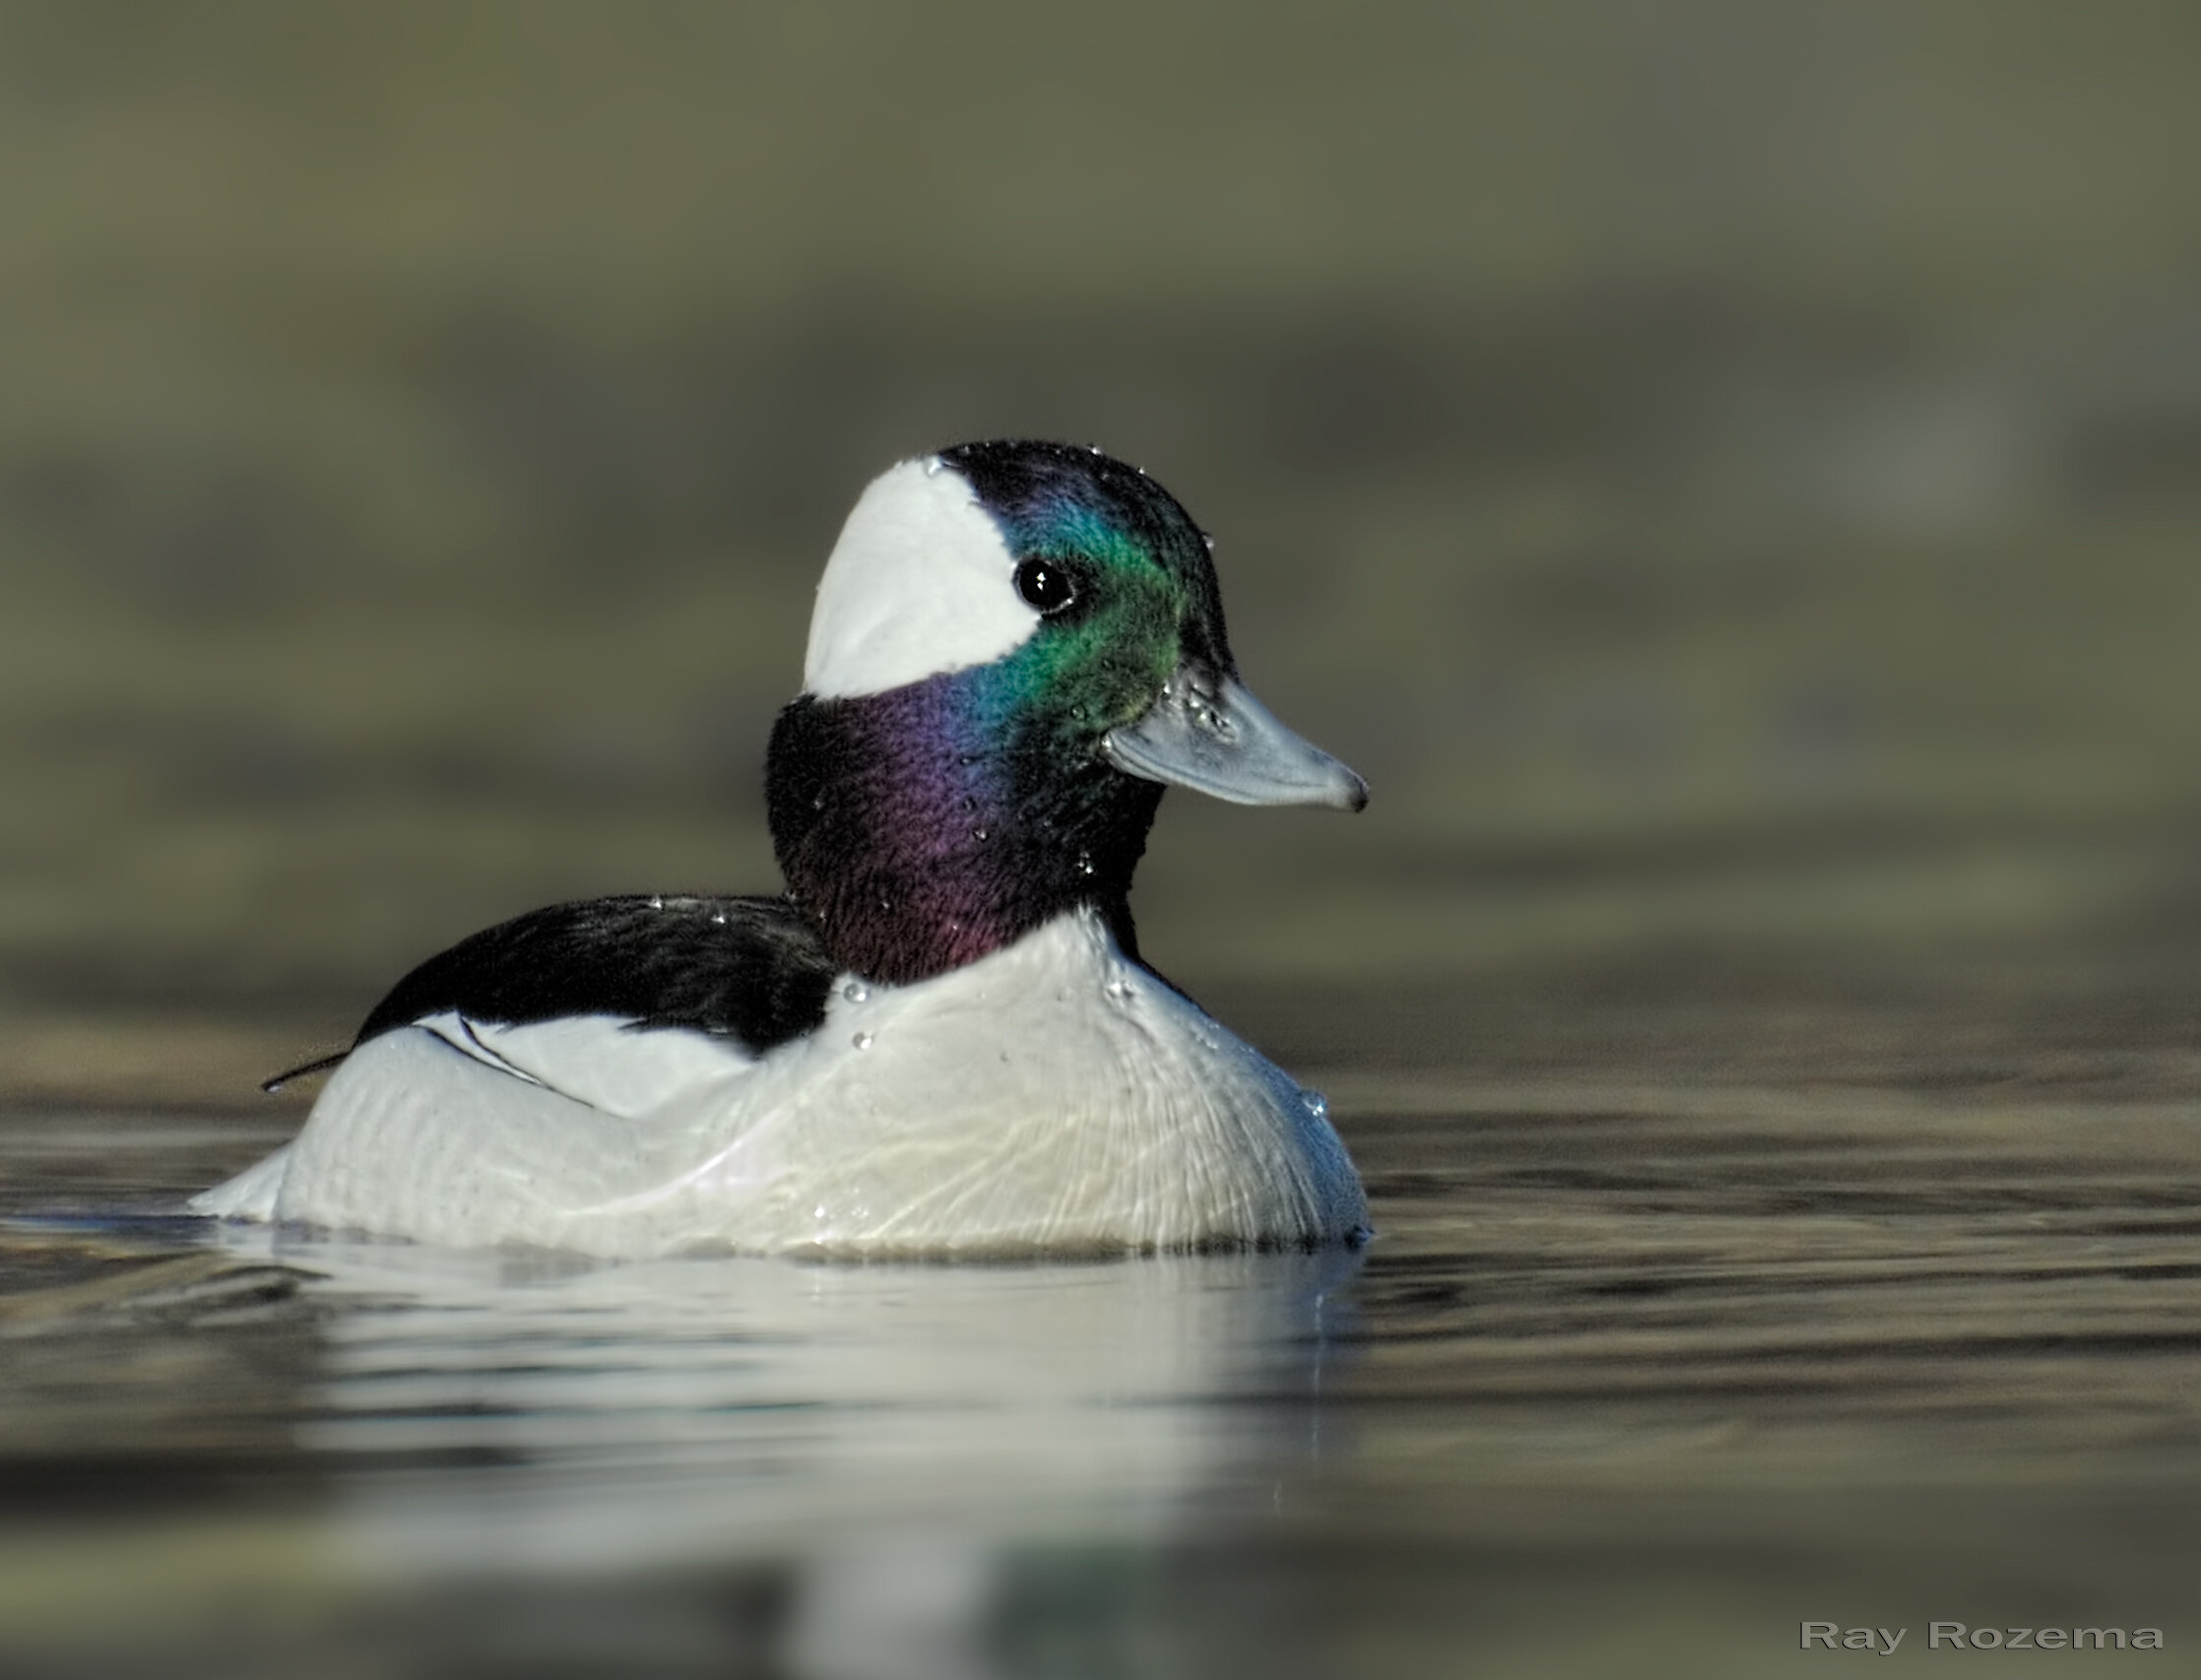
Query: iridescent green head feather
pixel 1128 587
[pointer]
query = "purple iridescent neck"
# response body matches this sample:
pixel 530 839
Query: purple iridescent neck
pixel 923 827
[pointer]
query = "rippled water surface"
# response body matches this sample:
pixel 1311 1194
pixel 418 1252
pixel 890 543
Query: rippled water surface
pixel 1637 1379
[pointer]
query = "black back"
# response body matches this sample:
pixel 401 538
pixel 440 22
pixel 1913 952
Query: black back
pixel 748 969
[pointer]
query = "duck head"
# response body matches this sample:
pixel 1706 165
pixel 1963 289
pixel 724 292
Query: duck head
pixel 1015 647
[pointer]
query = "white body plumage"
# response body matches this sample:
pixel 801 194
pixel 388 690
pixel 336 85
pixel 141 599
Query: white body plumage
pixel 1053 1096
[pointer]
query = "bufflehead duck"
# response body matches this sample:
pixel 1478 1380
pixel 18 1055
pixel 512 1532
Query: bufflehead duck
pixel 941 1040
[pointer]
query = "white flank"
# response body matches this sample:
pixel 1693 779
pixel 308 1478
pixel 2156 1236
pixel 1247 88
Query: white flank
pixel 597 1060
pixel 921 582
pixel 1051 1096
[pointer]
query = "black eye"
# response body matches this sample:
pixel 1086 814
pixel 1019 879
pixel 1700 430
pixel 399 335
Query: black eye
pixel 1045 585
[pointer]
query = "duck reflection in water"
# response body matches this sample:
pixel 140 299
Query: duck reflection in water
pixel 895 1436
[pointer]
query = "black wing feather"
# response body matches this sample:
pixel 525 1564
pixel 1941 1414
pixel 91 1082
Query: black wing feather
pixel 750 969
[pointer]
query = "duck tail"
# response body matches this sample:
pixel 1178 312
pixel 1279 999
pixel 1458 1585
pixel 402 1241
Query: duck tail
pixel 320 1066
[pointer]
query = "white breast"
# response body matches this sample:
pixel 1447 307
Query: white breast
pixel 1053 1096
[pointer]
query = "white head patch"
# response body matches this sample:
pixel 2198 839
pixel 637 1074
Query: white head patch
pixel 921 582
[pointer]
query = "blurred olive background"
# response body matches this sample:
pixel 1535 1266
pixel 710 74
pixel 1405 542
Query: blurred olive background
pixel 1726 473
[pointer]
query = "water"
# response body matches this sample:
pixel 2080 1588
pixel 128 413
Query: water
pixel 1638 1376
